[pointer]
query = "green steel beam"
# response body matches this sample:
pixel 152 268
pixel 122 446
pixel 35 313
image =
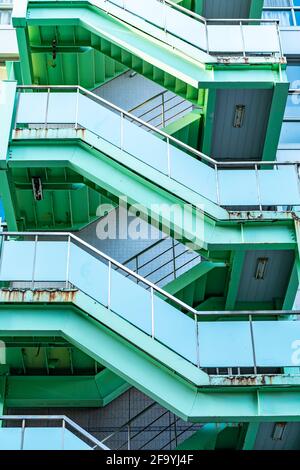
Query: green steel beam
pixel 192 275
pixel 203 439
pixel 187 128
pixel 64 391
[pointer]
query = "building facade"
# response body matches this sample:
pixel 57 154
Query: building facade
pixel 150 194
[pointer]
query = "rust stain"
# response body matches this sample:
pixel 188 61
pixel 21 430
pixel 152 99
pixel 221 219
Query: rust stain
pixel 246 380
pixel 37 295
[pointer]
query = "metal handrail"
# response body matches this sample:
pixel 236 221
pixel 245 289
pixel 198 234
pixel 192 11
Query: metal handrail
pixel 196 17
pixel 159 290
pixel 143 429
pixel 178 435
pixel 169 138
pixel 123 426
pixel 62 418
pixel 165 110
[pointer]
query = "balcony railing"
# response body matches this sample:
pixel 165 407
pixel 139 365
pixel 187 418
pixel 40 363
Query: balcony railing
pixel 233 184
pixel 189 32
pixel 253 340
pixel 56 433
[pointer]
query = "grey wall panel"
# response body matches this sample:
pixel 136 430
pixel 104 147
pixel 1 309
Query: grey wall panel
pixel 276 277
pixel 226 8
pixel 246 142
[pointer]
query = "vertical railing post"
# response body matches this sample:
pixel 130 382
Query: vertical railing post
pixel 128 437
pixel 34 261
pixel 77 109
pixel 175 430
pixel 217 184
pixel 152 312
pixel 121 130
pixel 109 286
pixel 174 258
pixel 163 119
pixel 296 166
pixel 63 427
pixel 253 344
pixel 137 267
pixel 279 38
pixel 23 434
pixel 258 187
pixel 168 158
pixel 243 39
pixel 2 241
pixel 68 262
pixel 207 39
pixel 165 18
pixel 197 340
pixel 47 108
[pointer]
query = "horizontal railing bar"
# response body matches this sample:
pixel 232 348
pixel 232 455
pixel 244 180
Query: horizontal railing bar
pixel 143 429
pixel 159 105
pixel 177 269
pixel 157 256
pixel 179 434
pixel 156 130
pixel 165 264
pixel 149 283
pixel 129 422
pixel 166 111
pixel 149 100
pixel 156 436
pixel 148 248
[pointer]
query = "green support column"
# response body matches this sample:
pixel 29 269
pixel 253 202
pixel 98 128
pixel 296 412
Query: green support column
pixel 256 8
pixel 237 263
pixel 209 115
pixel 249 437
pixel 292 287
pixel 2 396
pixel 277 110
pixel 19 22
pixel 7 112
pixel 8 202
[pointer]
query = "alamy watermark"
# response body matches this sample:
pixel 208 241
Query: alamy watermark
pixel 137 222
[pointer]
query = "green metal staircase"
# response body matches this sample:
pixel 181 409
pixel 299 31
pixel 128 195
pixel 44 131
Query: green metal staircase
pixel 86 152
